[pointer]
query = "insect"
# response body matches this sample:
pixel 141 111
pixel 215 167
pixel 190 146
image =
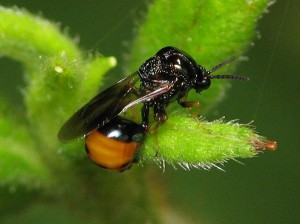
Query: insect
pixel 167 76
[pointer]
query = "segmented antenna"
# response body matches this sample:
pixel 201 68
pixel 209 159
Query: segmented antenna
pixel 235 77
pixel 226 62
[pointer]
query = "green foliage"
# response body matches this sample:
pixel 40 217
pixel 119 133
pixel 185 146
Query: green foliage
pixel 20 163
pixel 58 81
pixel 60 78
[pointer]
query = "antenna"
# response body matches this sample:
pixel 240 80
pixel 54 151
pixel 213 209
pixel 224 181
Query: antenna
pixel 235 77
pixel 226 62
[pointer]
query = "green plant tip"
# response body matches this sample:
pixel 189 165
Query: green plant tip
pixel 185 141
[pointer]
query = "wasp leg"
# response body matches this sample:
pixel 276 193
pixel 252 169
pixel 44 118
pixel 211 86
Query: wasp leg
pixel 135 91
pixel 182 100
pixel 189 104
pixel 156 139
pixel 160 116
pixel 145 116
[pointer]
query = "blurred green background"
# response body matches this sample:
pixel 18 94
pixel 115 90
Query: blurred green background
pixel 264 190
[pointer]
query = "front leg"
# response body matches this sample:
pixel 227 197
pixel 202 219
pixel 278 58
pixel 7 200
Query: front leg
pixel 189 104
pixel 182 100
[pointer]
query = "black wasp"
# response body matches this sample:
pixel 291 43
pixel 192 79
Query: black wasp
pixel 113 142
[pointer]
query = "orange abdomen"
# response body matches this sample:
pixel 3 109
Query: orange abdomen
pixel 110 153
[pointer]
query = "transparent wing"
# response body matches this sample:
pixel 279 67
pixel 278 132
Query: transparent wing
pixel 99 110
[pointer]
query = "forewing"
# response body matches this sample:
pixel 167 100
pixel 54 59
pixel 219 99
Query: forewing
pixel 100 110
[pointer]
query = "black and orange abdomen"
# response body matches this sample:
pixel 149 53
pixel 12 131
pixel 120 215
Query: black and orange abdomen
pixel 115 145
